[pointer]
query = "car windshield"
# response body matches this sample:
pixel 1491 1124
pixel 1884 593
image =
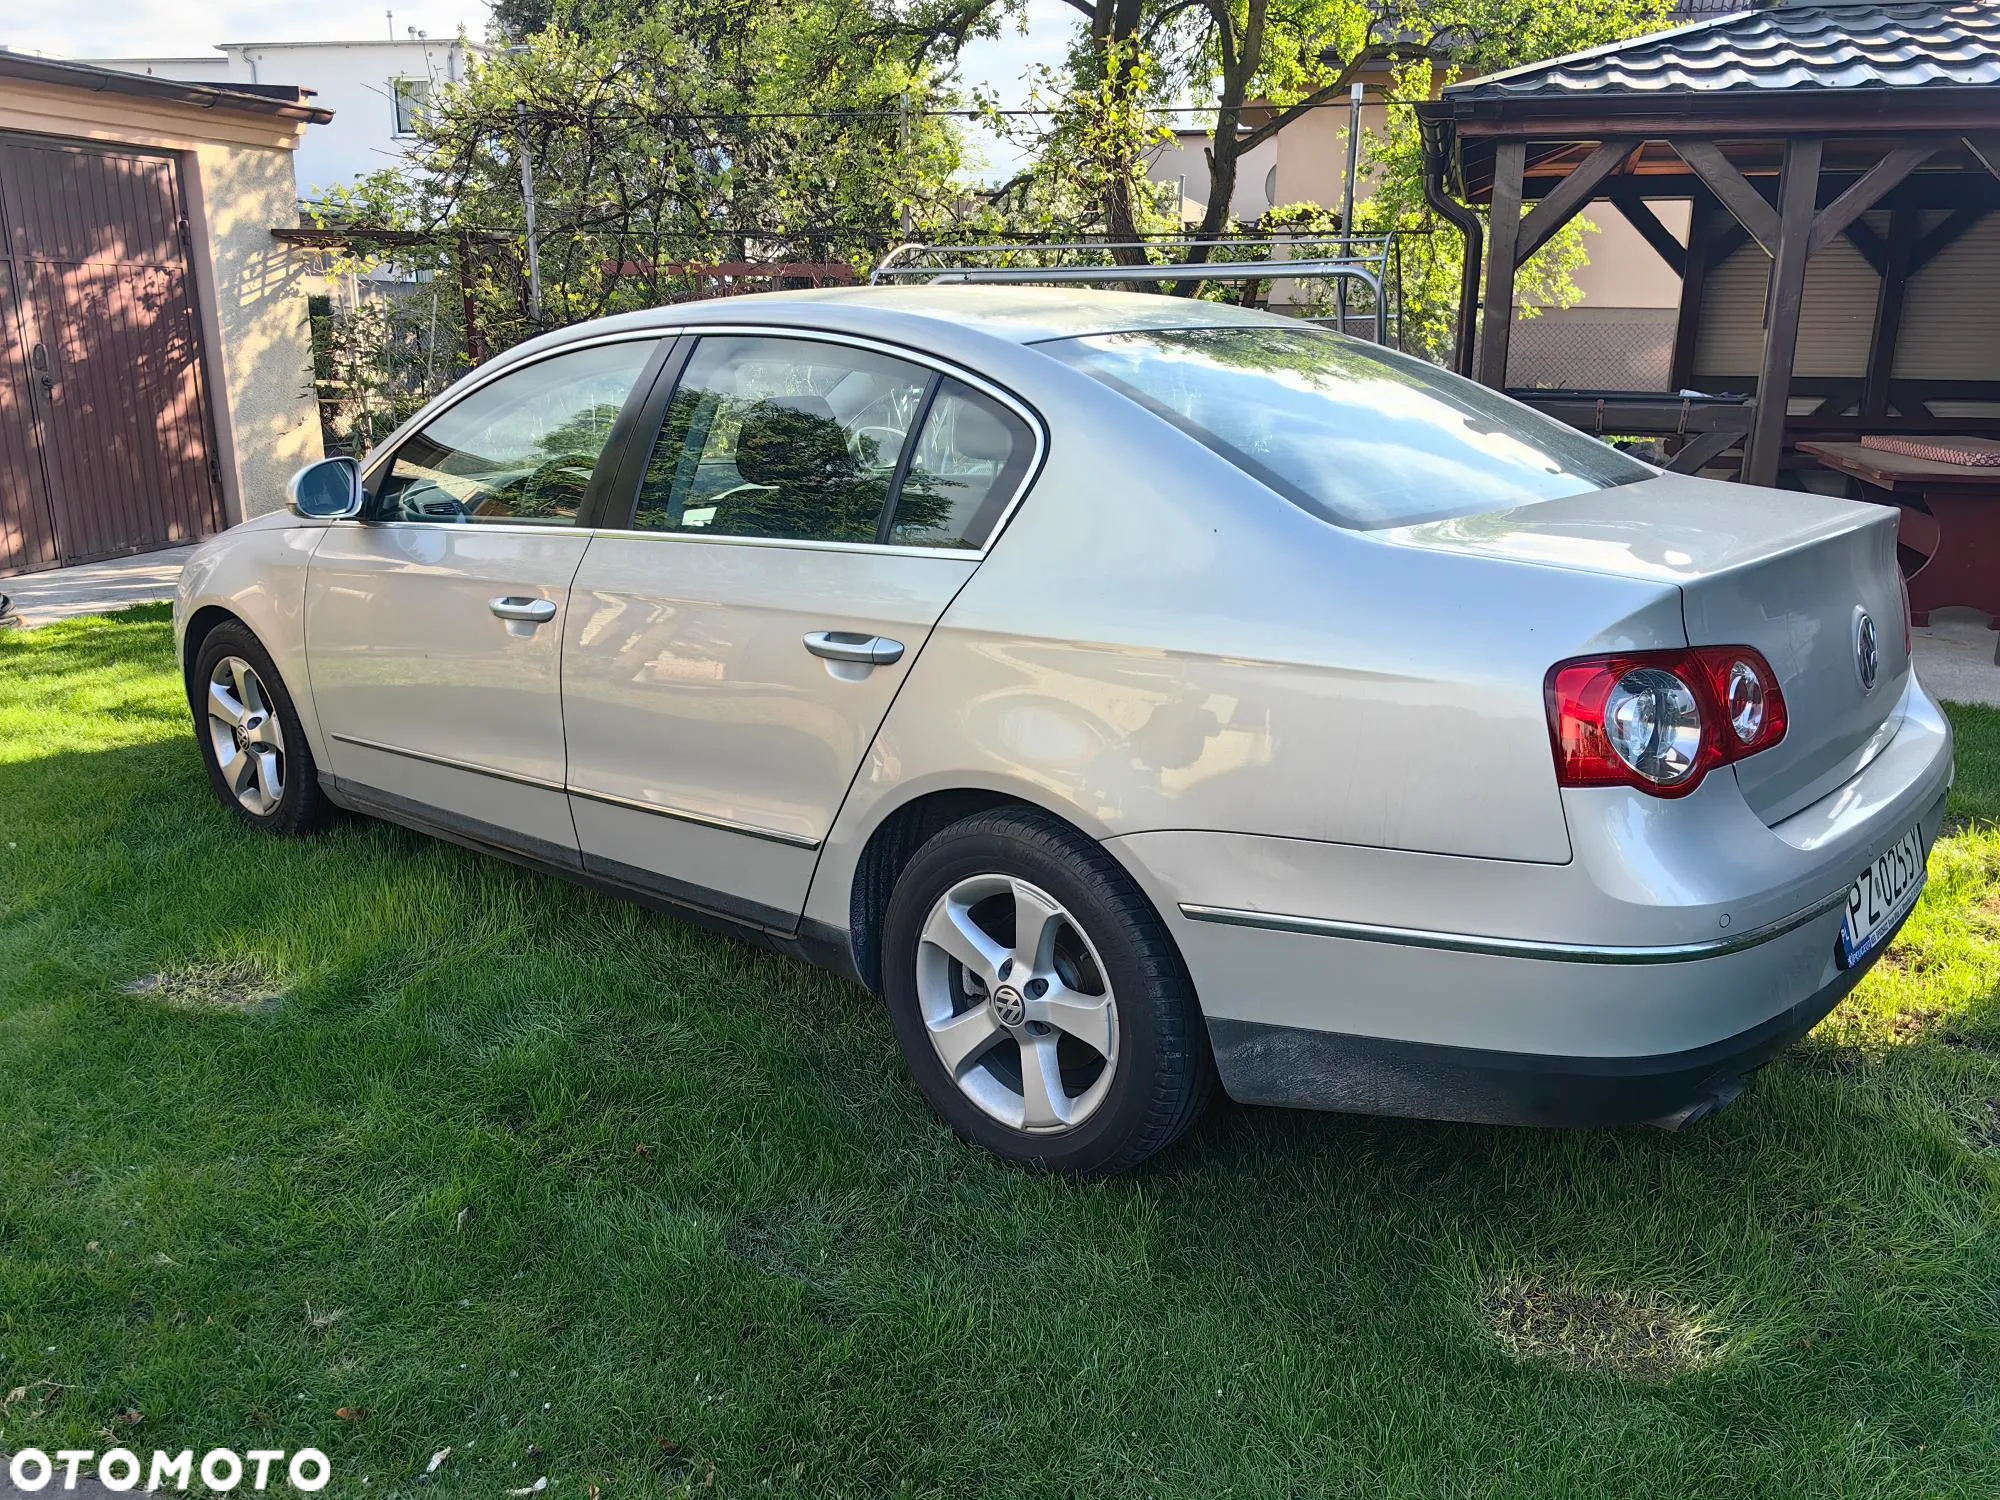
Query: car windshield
pixel 1357 434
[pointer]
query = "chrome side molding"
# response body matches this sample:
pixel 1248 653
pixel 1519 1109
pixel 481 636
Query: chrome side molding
pixel 1499 947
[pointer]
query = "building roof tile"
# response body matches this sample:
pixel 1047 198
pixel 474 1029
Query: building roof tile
pixel 1827 45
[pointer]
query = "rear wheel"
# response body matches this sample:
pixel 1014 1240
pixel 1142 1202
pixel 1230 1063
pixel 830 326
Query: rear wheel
pixel 1039 1000
pixel 251 739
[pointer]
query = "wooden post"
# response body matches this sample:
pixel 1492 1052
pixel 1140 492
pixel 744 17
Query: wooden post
pixel 1694 280
pixel 1510 165
pixel 1903 224
pixel 1798 192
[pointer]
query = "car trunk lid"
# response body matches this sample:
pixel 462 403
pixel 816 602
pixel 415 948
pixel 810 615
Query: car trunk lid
pixel 1789 573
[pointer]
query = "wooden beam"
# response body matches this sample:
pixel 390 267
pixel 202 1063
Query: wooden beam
pixel 1502 258
pixel 1733 190
pixel 1985 146
pixel 1563 201
pixel 1888 314
pixel 1867 191
pixel 1945 235
pixel 1701 248
pixel 1798 189
pixel 1873 248
pixel 1698 452
pixel 1642 218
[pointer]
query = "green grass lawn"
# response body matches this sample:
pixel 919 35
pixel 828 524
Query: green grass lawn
pixel 369 1123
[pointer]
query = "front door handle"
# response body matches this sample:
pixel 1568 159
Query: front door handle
pixel 534 611
pixel 846 645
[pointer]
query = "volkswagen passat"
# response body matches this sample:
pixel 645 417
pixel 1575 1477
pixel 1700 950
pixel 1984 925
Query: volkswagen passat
pixel 1135 692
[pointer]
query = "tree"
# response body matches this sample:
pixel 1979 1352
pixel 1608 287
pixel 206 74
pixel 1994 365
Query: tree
pixel 668 132
pixel 1292 56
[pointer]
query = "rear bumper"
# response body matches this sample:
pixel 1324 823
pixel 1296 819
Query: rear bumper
pixel 1291 1065
pixel 1685 945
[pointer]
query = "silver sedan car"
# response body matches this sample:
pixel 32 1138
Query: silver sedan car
pixel 1137 693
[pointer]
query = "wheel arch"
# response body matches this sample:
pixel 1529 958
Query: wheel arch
pixel 202 624
pixel 906 828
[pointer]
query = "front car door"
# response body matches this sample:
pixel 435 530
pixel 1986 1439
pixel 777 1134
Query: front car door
pixel 433 628
pixel 807 510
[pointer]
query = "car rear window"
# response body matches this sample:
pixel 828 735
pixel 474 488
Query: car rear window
pixel 1357 434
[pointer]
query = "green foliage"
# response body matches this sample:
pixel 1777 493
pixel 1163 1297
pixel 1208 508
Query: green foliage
pixel 668 135
pixel 1290 56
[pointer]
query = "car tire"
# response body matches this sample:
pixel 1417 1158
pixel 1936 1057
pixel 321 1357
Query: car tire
pixel 251 740
pixel 1095 1061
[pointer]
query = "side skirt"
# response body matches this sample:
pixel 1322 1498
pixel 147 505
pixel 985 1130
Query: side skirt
pixel 816 943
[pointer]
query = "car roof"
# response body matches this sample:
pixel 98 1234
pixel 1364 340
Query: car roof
pixel 1031 314
pixel 1015 314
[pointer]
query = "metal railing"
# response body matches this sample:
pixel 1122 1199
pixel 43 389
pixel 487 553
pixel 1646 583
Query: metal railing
pixel 1094 263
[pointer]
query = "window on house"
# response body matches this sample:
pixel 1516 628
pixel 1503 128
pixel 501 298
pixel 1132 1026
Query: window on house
pixel 412 96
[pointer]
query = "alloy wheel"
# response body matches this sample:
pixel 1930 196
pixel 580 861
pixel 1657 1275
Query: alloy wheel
pixel 1016 1003
pixel 244 732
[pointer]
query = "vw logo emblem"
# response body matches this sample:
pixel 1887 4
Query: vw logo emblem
pixel 1867 650
pixel 1008 1006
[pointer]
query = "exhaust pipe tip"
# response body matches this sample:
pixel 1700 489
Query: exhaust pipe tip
pixel 1693 1113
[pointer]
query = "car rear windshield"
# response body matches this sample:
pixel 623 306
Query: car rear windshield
pixel 1357 434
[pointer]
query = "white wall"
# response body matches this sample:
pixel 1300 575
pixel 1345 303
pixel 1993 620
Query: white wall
pixel 353 79
pixel 1185 159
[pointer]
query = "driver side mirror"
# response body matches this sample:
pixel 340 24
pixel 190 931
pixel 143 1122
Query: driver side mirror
pixel 329 490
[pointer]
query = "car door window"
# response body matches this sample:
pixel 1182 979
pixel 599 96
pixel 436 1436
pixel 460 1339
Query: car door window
pixel 784 438
pixel 520 450
pixel 970 458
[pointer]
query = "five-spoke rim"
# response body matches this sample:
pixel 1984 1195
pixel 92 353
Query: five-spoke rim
pixel 244 731
pixel 1016 1003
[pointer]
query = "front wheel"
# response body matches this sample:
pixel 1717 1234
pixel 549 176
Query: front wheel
pixel 1039 1000
pixel 251 739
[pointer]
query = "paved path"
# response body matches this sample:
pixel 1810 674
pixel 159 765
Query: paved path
pixel 95 588
pixel 1958 657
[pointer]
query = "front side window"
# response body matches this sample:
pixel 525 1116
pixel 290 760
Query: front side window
pixel 970 457
pixel 1356 434
pixel 782 438
pixel 520 450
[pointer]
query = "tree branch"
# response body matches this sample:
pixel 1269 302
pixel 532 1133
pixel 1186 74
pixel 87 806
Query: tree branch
pixel 1311 101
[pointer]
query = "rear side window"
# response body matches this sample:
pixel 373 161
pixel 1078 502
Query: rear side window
pixel 1359 435
pixel 784 438
pixel 970 458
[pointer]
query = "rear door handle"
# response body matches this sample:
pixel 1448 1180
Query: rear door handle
pixel 534 611
pixel 846 645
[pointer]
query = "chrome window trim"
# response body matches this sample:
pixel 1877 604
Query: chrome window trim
pixel 1499 947
pixel 908 355
pixel 679 815
pixel 438 406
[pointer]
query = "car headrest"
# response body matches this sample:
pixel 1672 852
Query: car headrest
pixel 981 436
pixel 790 439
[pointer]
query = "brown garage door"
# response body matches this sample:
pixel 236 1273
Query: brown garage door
pixel 105 444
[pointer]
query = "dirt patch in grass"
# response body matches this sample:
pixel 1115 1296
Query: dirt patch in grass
pixel 240 986
pixel 1632 1337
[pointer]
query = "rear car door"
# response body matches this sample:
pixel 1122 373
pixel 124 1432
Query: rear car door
pixel 433 627
pixel 807 509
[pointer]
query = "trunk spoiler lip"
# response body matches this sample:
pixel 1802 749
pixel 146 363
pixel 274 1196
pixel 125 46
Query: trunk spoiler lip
pixel 1546 528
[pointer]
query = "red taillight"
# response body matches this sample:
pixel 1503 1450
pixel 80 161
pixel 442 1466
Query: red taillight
pixel 1661 720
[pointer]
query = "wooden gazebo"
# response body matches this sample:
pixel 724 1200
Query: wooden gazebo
pixel 1804 136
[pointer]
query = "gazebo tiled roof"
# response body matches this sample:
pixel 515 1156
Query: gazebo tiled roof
pixel 1807 46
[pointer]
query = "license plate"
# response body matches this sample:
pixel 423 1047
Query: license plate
pixel 1881 895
